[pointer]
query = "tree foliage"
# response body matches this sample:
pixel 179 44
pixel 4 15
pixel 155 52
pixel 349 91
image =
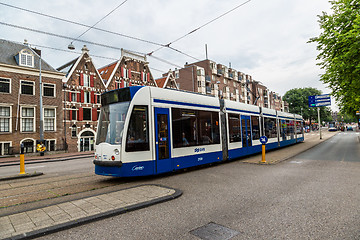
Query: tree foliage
pixel 339 46
pixel 298 99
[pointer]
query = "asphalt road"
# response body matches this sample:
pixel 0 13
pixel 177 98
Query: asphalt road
pixel 312 196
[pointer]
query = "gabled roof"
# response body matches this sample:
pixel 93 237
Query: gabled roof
pixel 161 82
pixel 70 67
pixel 107 71
pixel 9 49
pixel 166 81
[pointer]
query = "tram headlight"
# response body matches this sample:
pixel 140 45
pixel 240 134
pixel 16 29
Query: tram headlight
pixel 116 151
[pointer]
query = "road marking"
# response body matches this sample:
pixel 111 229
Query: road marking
pixel 298 162
pixel 35 167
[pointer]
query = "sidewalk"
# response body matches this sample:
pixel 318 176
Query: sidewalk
pixel 278 155
pixel 38 222
pixel 10 161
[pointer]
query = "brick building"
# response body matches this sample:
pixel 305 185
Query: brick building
pixel 130 70
pixel 82 87
pixel 210 78
pixel 20 99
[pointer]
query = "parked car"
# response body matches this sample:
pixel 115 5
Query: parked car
pixel 332 129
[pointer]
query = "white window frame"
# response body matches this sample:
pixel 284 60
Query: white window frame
pixel 26 58
pixel 87 97
pixel 53 85
pixel 21 118
pixel 27 81
pixel 90 114
pixel 9 117
pixel 47 142
pixel 2 148
pixel 86 80
pixel 2 78
pixel 53 118
pixel 73 93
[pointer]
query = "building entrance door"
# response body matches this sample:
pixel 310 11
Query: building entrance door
pixel 87 141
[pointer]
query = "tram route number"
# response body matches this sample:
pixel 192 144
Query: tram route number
pixel 199 150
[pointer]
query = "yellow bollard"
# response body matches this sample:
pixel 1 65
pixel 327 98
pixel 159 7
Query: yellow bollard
pixel 22 160
pixel 22 164
pixel 263 154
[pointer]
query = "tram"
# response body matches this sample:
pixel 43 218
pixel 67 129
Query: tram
pixel 147 131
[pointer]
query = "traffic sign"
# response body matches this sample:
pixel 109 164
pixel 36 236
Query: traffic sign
pixel 263 139
pixel 319 100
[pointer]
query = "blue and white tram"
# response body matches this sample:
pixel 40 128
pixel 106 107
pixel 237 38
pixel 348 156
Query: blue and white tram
pixel 147 131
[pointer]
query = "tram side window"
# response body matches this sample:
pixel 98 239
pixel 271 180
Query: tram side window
pixel 234 128
pixel 283 129
pixel 290 128
pixel 193 127
pixel 138 134
pixel 299 128
pixel 255 127
pixel 270 127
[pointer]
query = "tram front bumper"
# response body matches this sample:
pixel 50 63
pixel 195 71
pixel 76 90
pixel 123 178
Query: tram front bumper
pixel 108 163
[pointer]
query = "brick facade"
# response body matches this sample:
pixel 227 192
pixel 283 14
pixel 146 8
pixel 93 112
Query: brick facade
pixel 20 111
pixel 81 93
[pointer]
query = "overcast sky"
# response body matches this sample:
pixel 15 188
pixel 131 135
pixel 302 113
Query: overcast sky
pixel 265 39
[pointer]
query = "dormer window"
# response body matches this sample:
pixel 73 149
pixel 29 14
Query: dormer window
pixel 26 58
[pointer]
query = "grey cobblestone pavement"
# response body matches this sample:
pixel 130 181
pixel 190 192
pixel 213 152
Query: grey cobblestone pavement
pixel 56 217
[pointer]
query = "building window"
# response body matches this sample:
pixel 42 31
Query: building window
pixel 98 98
pixel 50 145
pixel 5 148
pixel 27 87
pixel 49 90
pixel 49 119
pixel 87 114
pixel 73 131
pixel 87 97
pixel 26 58
pixel 5 119
pixel 86 80
pixel 27 119
pixel 4 85
pixel 28 146
pixel 73 96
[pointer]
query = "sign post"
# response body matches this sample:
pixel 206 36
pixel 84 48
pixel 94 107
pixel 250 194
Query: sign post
pixel 263 140
pixel 319 101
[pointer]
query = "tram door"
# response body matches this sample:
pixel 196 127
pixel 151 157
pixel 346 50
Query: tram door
pixel 162 140
pixel 246 131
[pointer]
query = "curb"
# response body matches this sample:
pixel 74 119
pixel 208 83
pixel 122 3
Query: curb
pixel 288 157
pixel 26 175
pixel 13 163
pixel 100 216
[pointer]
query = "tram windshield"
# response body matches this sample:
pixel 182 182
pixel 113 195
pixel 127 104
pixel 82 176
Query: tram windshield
pixel 111 123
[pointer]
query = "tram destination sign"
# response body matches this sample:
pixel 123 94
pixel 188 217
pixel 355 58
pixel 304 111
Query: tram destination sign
pixel 320 100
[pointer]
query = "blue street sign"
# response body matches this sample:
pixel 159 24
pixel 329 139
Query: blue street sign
pixel 319 100
pixel 263 139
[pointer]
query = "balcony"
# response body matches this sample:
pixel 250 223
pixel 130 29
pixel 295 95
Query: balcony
pixel 208 79
pixel 208 90
pixel 231 75
pixel 219 72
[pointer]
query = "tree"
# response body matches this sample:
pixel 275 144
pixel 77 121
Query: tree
pixel 298 99
pixel 339 46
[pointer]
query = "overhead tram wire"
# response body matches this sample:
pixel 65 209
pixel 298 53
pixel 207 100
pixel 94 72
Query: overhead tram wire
pixel 81 24
pixel 101 19
pixel 207 23
pixel 99 29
